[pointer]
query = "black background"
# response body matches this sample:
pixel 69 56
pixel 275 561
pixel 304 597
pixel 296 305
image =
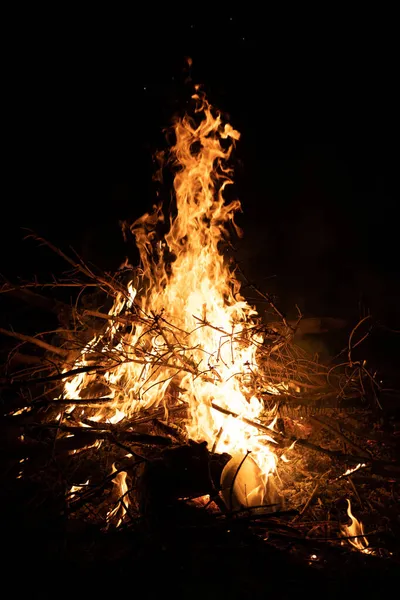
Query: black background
pixel 312 95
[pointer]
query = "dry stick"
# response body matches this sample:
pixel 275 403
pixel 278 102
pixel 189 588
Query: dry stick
pixel 217 438
pixel 11 287
pixel 38 300
pixel 159 412
pixel 374 385
pixel 85 495
pixel 32 340
pixel 351 337
pixel 342 436
pixel 28 382
pixel 356 492
pixel 25 358
pixel 94 368
pixel 280 438
pixel 120 319
pixel 80 266
pixel 127 449
pixel 331 453
pixel 84 435
pixel 247 421
pixel 268 299
pixel 85 402
pixel 307 504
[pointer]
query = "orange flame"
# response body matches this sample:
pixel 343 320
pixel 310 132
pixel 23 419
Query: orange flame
pixel 117 514
pixel 76 488
pixel 356 528
pixel 205 344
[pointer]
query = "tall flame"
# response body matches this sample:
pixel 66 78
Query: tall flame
pixel 117 514
pixel 356 533
pixel 204 346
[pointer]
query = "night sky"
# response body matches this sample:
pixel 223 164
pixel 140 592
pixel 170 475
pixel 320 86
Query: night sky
pixel 315 168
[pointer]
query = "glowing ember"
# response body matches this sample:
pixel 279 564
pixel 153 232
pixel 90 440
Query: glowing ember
pixel 350 471
pixel 356 529
pixel 204 350
pixel 21 411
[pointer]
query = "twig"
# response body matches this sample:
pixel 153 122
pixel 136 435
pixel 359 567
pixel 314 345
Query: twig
pixel 32 340
pixel 28 382
pixel 80 265
pixel 341 435
pixel 230 413
pixel 307 504
pixel 351 337
pixel 127 320
pixel 350 480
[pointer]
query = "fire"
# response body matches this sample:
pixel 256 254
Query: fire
pixel 76 488
pixel 204 348
pixel 356 528
pixel 353 470
pixel 117 514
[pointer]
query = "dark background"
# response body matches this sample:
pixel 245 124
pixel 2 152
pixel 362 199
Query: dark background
pixel 313 97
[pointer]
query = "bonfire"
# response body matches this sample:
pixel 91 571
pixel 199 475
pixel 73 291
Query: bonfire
pixel 167 399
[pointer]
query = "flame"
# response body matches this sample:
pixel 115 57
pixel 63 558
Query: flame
pixel 354 469
pixel 117 514
pixel 356 528
pixel 350 471
pixel 21 411
pixel 76 488
pixel 204 346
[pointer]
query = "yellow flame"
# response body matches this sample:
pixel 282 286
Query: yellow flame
pixel 21 411
pixel 117 514
pixel 354 469
pixel 356 528
pixel 76 488
pixel 204 346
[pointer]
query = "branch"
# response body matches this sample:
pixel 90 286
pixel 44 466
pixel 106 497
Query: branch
pixel 32 340
pixel 341 435
pixel 351 337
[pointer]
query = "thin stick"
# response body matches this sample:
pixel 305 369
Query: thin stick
pixel 351 337
pixel 11 288
pixel 100 315
pixel 59 376
pixel 247 421
pixel 307 504
pixel 32 340
pixel 341 435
